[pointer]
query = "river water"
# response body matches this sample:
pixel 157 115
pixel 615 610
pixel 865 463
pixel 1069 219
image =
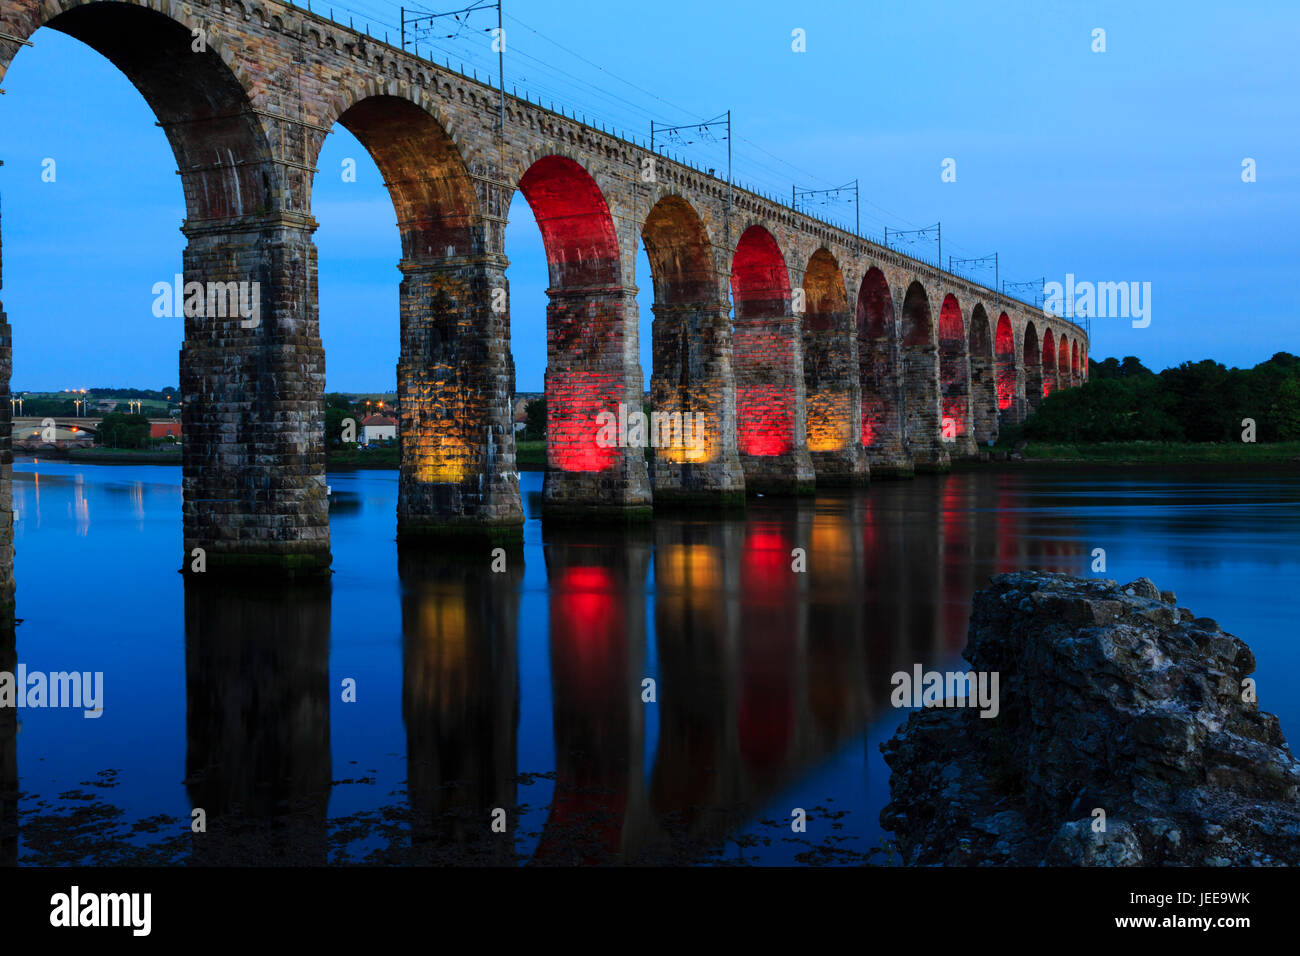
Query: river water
pixel 423 707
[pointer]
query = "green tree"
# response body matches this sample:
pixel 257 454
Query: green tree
pixel 1132 367
pixel 1199 396
pixel 1107 368
pixel 334 418
pixel 1195 401
pixel 118 430
pixel 54 407
pixel 535 427
pixel 1284 413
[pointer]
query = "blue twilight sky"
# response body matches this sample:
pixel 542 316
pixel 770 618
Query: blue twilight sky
pixel 1122 165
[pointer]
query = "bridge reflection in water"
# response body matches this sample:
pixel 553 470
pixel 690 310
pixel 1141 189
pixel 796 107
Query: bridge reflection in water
pixel 763 674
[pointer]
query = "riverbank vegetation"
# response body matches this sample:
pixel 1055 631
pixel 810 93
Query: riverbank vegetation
pixel 161 455
pixel 352 456
pixel 1193 403
pixel 530 455
pixel 1164 453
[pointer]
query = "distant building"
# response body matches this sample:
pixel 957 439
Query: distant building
pixel 165 429
pixel 377 428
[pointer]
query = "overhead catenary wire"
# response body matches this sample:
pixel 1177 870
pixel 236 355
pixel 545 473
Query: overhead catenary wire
pixel 623 115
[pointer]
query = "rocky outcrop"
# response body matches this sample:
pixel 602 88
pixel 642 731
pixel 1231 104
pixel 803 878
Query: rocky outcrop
pixel 1127 734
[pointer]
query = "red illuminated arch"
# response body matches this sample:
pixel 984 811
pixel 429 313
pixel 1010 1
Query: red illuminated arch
pixel 584 326
pixel 1074 361
pixel 877 367
pixel 760 289
pixel 1005 350
pixel 1065 372
pixel 760 283
pixel 954 380
pixel 577 229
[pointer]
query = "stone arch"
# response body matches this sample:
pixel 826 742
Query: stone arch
pixel 768 367
pixel 680 252
pixel 918 329
pixel 436 205
pixel 447 368
pixel 1005 351
pixel 1075 368
pixel 692 372
pixel 983 378
pixel 878 376
pixel 1064 370
pixel 1050 381
pixel 251 367
pixel 954 378
pixel 830 374
pixel 591 330
pixel 202 101
pixel 1033 366
pixel 921 381
pixel 825 298
pixel 582 248
pixel 370 100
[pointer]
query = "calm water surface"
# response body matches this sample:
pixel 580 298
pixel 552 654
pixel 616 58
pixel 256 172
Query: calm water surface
pixel 522 690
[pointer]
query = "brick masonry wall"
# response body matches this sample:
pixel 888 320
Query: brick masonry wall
pixel 454 383
pixel 590 369
pixel 833 399
pixel 253 408
pixel 922 409
pixel 983 379
pixel 771 418
pixel 693 374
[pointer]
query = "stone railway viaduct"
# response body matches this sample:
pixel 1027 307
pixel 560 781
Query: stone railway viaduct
pixel 844 358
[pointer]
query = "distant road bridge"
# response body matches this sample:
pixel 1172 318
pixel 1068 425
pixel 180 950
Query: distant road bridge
pixel 843 357
pixel 70 422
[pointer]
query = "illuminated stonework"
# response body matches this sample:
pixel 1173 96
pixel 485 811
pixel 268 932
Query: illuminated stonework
pixel 830 366
pixel 770 397
pixel 830 421
pixel 864 346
